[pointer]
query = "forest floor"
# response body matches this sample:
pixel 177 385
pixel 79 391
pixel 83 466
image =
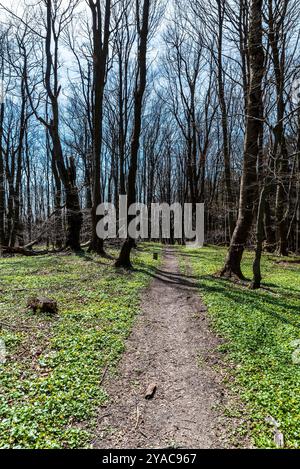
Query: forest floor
pixel 225 359
pixel 173 348
pixel 261 340
pixel 54 364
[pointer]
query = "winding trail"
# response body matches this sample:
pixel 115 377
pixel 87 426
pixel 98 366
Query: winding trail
pixel 171 345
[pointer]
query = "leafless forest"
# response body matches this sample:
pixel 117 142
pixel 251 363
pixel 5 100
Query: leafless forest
pixel 180 101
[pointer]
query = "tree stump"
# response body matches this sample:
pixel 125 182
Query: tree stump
pixel 42 305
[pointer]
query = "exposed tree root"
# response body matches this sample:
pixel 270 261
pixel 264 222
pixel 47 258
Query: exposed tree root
pixel 231 274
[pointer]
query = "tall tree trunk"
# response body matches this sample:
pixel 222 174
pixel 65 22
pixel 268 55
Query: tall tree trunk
pixel 66 174
pixel 249 187
pixel 124 257
pixel 2 182
pixel 17 228
pixel 297 228
pixel 259 241
pixel 28 189
pixel 226 151
pixel 100 48
pixel 276 34
pixel 269 227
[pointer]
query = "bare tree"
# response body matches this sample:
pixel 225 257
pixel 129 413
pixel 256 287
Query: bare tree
pixel 101 34
pixel 249 188
pixel 142 22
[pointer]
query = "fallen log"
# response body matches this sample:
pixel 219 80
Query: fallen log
pixel 23 251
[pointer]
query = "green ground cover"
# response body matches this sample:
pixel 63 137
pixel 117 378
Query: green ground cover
pixel 259 328
pixel 50 380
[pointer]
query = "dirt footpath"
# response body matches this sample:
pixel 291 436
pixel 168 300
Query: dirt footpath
pixel 171 345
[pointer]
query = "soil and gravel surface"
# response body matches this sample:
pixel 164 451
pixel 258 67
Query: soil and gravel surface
pixel 173 347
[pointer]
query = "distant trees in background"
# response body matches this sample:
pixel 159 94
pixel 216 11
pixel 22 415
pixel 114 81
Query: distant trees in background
pixel 201 107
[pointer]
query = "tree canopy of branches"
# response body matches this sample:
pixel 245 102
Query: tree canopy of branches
pixel 164 101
